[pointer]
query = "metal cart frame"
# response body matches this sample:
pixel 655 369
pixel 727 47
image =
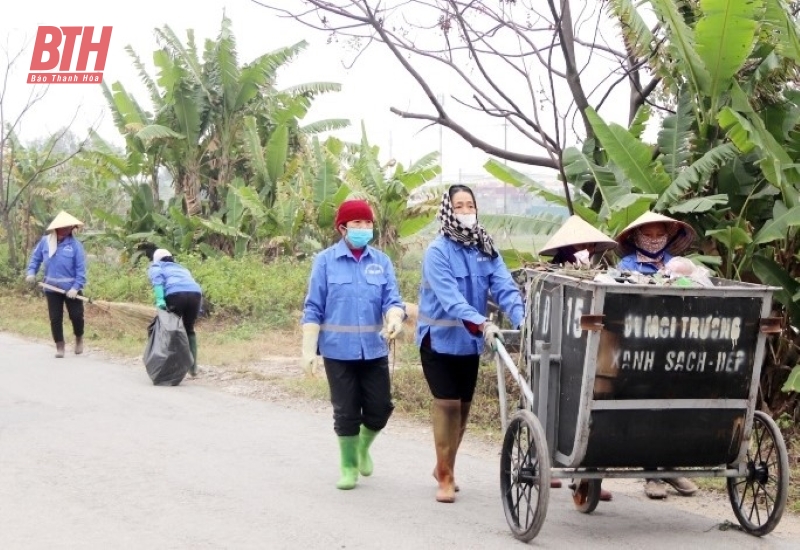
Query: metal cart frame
pixel 595 403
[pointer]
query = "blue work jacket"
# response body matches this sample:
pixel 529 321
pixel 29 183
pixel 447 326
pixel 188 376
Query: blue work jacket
pixel 455 286
pixel 173 277
pixel 348 299
pixel 630 263
pixel 66 269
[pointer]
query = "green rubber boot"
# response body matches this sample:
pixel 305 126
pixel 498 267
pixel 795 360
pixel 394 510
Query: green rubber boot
pixel 348 449
pixel 365 439
pixel 193 347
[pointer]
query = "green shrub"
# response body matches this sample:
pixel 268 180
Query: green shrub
pixel 408 281
pixel 7 275
pixel 270 294
pixel 117 283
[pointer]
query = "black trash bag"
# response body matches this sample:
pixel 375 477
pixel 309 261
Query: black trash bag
pixel 167 355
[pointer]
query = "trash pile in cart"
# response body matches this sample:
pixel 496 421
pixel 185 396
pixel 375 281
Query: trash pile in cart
pixel 678 272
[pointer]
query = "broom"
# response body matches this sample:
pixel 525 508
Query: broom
pixel 135 312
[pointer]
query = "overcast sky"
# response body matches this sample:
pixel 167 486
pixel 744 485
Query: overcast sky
pixel 374 84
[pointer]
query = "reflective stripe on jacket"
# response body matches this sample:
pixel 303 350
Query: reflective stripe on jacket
pixel 348 298
pixel 455 287
pixel 66 269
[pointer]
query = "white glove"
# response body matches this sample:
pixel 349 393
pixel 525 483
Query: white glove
pixel 309 350
pixel 394 323
pixel 72 293
pixel 30 279
pixel 492 335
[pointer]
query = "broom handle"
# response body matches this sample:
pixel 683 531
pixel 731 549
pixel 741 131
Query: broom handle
pixel 62 291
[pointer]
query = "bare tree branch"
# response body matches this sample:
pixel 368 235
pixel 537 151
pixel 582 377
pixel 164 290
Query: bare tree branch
pixel 497 50
pixel 601 47
pixel 44 166
pixel 630 74
pixel 643 93
pixel 545 138
pixel 564 28
pixel 479 143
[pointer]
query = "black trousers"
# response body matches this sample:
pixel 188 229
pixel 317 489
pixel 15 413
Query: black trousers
pixel 55 308
pixel 449 376
pixel 187 305
pixel 360 394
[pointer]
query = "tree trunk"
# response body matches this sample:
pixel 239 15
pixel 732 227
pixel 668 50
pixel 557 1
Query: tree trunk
pixel 191 192
pixel 8 226
pixel 154 184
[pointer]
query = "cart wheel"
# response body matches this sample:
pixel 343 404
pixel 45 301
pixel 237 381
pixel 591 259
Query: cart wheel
pixel 586 495
pixel 759 499
pixel 525 475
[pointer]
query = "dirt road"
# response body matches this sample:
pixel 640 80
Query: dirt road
pixel 93 456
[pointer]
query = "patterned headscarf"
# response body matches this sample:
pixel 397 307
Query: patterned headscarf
pixel 456 231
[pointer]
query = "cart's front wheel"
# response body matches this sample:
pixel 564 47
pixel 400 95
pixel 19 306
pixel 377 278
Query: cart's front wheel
pixel 759 499
pixel 586 494
pixel 525 475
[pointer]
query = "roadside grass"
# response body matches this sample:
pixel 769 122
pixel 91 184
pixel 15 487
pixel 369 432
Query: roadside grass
pixel 716 484
pixel 26 315
pixel 793 447
pixel 224 344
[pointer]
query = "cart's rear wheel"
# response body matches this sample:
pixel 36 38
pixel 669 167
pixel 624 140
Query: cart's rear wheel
pixel 586 495
pixel 759 499
pixel 525 475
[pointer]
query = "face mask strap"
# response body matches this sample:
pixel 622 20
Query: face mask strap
pixel 651 255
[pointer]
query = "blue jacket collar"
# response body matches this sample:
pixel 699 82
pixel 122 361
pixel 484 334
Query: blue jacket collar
pixel 341 249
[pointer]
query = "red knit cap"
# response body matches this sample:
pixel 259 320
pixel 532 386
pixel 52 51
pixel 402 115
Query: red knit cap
pixel 356 209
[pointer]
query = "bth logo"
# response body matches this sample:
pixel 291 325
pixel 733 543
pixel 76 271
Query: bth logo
pixel 47 56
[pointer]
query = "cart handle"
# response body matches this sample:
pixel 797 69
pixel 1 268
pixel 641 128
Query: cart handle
pixel 770 325
pixel 592 322
pixel 505 359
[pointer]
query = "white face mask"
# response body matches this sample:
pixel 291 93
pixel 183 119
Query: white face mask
pixel 467 220
pixel 582 257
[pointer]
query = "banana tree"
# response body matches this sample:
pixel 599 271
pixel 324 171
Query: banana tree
pixel 726 160
pixel 217 122
pixel 388 189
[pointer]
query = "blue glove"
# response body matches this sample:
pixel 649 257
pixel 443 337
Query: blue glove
pixel 158 293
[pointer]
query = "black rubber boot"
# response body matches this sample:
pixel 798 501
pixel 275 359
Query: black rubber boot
pixel 193 347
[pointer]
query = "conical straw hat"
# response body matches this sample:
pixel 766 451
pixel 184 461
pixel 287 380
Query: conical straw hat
pixel 577 232
pixel 681 234
pixel 64 220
